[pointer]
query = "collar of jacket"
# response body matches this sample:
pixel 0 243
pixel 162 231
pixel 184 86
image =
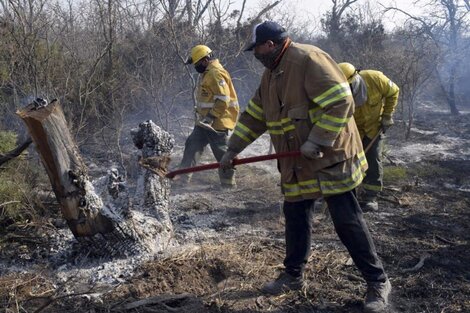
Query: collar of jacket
pixel 284 49
pixel 213 64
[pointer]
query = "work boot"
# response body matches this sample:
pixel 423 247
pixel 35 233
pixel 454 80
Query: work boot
pixel 377 296
pixel 370 206
pixel 369 202
pixel 320 205
pixel 180 181
pixel 285 282
pixel 227 186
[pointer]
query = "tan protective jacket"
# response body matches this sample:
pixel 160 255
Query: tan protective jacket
pixel 306 96
pixel 382 98
pixel 216 95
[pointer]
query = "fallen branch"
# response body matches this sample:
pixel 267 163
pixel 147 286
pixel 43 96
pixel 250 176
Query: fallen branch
pixel 156 300
pixel 395 199
pixel 15 152
pixel 444 240
pixel 390 160
pixel 418 266
pixel 51 299
pixel 8 202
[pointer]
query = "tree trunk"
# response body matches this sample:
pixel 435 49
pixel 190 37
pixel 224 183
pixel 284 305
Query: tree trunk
pixel 60 156
pixel 451 98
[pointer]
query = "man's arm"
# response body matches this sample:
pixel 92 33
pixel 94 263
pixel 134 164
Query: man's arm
pixel 221 91
pixel 390 92
pixel 332 103
pixel 250 126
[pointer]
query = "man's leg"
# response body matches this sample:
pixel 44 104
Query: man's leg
pixel 354 234
pixel 193 149
pixel 298 232
pixel 218 143
pixel 373 182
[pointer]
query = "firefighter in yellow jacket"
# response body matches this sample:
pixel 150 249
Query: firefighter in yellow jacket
pixel 375 97
pixel 305 103
pixel 217 110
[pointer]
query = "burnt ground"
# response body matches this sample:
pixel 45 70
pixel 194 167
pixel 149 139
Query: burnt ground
pixel 232 243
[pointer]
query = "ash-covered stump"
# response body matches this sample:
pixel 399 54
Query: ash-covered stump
pixel 102 215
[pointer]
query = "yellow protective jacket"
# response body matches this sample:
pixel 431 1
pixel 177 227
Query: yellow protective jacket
pixel 216 96
pixel 382 98
pixel 306 96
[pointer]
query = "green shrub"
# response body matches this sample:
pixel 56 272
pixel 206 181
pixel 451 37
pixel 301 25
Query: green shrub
pixel 7 141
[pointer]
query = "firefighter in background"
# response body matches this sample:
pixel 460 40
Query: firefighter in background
pixel 376 97
pixel 217 110
pixel 305 104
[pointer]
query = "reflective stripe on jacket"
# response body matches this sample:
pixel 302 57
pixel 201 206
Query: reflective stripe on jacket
pixel 382 98
pixel 216 95
pixel 306 97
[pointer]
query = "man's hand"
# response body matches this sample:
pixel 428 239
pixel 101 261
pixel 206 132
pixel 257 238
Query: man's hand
pixel 226 163
pixel 386 122
pixel 311 150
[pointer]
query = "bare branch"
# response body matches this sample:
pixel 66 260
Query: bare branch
pixel 239 24
pixel 201 12
pixel 266 9
pixel 15 152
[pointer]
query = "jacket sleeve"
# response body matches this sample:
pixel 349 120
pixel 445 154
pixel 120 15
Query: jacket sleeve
pixel 331 99
pixel 220 89
pixel 250 125
pixel 390 93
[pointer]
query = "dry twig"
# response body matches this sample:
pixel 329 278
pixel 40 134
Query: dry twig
pixel 418 266
pixel 157 300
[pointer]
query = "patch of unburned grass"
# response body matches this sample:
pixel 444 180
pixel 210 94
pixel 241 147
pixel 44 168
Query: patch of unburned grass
pixel 10 187
pixel 395 174
pixel 18 179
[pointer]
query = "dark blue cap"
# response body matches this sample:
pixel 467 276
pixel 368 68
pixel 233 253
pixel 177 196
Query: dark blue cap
pixel 266 31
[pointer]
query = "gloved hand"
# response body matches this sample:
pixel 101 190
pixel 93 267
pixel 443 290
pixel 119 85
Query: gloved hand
pixel 208 119
pixel 386 122
pixel 227 159
pixel 311 150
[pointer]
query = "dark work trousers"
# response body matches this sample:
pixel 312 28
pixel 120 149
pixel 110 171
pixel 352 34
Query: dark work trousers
pixel 350 227
pixel 194 147
pixel 373 182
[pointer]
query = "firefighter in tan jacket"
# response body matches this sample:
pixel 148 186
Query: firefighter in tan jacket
pixel 217 110
pixel 304 103
pixel 375 96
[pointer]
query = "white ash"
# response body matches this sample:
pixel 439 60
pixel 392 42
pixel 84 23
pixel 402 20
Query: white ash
pixel 142 216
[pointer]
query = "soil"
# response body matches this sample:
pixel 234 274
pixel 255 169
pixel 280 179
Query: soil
pixel 231 243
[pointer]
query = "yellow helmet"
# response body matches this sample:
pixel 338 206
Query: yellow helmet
pixel 348 70
pixel 197 53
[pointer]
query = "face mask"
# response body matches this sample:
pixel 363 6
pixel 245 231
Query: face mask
pixel 359 90
pixel 200 68
pixel 269 59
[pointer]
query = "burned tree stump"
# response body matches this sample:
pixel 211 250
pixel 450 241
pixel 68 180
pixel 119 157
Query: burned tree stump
pixel 152 195
pixel 60 156
pixel 102 219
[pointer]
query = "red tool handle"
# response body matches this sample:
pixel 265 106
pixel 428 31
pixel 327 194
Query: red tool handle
pixel 235 162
